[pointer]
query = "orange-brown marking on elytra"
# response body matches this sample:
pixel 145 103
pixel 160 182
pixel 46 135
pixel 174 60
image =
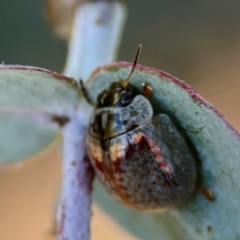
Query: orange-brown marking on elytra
pixel 95 151
pixel 155 149
pixel 120 179
pixel 123 188
pixel 117 150
pixel 137 137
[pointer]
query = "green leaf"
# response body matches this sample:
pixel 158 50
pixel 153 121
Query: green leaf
pixel 31 88
pixel 21 137
pixel 29 97
pixel 218 147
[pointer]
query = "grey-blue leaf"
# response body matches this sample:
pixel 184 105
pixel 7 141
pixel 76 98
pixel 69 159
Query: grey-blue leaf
pixel 216 142
pixel 29 97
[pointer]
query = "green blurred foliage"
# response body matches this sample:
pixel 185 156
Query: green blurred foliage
pixel 25 38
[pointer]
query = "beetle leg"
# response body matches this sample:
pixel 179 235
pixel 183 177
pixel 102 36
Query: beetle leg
pixel 85 94
pixel 147 90
pixel 207 193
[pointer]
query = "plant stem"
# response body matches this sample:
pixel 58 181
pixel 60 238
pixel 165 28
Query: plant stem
pixel 96 37
pixel 74 210
pixel 95 41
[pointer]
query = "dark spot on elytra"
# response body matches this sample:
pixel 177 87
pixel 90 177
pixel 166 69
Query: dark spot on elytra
pixel 150 190
pixel 134 113
pixel 118 166
pixel 123 187
pixel 99 166
pixel 129 151
pixel 127 195
pixel 120 179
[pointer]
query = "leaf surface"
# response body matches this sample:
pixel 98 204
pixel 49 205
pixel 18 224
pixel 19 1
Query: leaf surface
pixel 217 145
pixel 29 98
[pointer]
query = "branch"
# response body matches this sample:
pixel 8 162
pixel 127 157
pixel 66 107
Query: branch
pixel 74 211
pixel 96 37
pixel 95 40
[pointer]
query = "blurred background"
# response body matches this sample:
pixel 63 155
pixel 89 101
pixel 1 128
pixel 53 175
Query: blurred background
pixel 197 41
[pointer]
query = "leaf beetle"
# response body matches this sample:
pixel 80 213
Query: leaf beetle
pixel 140 157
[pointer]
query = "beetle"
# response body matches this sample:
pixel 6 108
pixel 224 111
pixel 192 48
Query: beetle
pixel 140 156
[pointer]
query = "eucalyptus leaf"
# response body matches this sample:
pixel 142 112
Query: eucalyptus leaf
pixel 217 145
pixel 31 88
pixel 21 137
pixel 29 98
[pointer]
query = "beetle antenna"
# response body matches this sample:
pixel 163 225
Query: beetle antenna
pixel 134 63
pixel 85 94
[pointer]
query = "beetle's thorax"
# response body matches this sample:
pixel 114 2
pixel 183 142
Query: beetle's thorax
pixel 118 110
